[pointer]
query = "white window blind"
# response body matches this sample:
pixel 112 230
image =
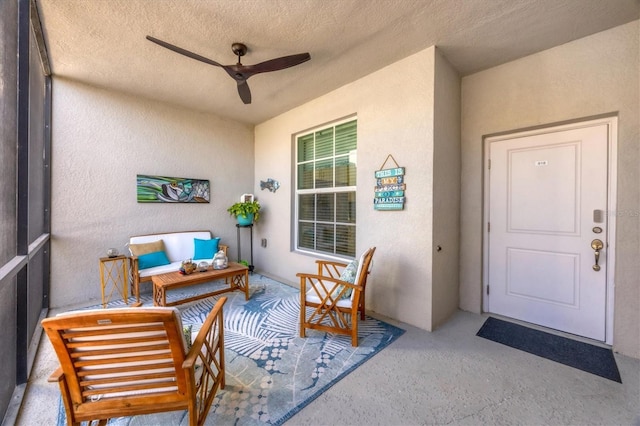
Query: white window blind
pixel 326 189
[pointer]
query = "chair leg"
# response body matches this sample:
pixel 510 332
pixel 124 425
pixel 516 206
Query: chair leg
pixel 135 289
pixel 302 315
pixel 354 329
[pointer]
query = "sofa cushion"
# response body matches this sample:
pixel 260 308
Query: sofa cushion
pixel 150 260
pixel 317 296
pixel 145 248
pixel 163 269
pixel 177 245
pixel 205 249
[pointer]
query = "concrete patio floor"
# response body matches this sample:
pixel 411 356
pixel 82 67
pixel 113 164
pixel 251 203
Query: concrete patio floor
pixel 448 377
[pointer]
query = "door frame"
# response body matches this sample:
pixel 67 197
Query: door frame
pixel 611 120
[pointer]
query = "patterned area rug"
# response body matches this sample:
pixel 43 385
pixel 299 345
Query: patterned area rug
pixel 271 373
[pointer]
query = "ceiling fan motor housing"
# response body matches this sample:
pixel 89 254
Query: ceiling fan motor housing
pixel 239 49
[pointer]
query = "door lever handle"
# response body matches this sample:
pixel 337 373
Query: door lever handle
pixel 597 245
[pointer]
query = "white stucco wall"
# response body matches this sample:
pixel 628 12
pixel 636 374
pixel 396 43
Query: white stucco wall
pixel 395 116
pixel 591 76
pixel 446 191
pixel 101 140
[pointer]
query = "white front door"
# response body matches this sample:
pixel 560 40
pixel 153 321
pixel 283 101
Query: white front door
pixel 547 212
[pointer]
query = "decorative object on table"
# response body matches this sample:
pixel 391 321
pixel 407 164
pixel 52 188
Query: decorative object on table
pixel 246 198
pixel 246 212
pixel 390 187
pixel 112 252
pixel 203 266
pixel 271 184
pixel 220 260
pixel 187 267
pixel 160 189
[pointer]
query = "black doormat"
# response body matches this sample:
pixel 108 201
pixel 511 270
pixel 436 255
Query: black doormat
pixel 586 357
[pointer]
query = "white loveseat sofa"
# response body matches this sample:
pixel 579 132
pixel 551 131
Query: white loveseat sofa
pixel 177 246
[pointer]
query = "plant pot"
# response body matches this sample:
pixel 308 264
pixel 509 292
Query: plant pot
pixel 245 220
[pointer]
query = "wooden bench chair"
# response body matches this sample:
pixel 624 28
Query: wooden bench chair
pixel 133 361
pixel 328 302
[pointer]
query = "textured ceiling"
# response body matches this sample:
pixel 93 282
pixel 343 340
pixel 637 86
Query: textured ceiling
pixel 102 42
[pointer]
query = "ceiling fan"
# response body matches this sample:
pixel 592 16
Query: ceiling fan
pixel 241 73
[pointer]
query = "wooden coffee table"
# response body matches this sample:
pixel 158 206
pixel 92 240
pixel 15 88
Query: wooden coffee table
pixel 235 275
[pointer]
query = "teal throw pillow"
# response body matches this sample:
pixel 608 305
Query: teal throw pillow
pixel 205 249
pixel 350 271
pixel 149 260
pixel 348 275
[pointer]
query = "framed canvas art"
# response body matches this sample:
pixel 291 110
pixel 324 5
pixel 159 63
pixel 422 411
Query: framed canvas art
pixel 161 189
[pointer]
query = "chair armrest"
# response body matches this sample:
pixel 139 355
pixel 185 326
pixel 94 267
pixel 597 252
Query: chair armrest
pixel 330 268
pixel 332 262
pixel 56 376
pixel 211 332
pixel 324 285
pixel 204 364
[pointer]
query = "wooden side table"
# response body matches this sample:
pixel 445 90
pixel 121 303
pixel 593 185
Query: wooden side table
pixel 114 276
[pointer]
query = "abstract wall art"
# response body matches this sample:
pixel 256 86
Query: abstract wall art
pixel 161 189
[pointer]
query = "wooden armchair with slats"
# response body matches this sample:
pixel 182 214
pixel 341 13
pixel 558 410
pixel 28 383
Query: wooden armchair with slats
pixel 331 304
pixel 133 361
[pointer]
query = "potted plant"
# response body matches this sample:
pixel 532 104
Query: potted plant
pixel 246 212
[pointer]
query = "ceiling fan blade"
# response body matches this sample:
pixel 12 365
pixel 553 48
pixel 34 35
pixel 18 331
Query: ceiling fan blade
pixel 183 51
pixel 240 73
pixel 244 92
pixel 275 64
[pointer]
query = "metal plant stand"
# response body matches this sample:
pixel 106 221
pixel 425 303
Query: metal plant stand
pixel 251 243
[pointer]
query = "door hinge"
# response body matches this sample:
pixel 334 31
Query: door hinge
pixel 489 164
pixel 488 226
pixel 487 289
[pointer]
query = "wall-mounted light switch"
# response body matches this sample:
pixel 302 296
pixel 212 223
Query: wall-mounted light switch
pixel 263 242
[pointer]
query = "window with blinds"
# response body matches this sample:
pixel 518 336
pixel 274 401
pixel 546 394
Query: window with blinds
pixel 326 189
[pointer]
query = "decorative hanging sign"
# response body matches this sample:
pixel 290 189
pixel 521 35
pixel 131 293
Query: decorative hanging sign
pixel 390 187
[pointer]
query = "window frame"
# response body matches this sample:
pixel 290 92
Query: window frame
pixel 327 190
